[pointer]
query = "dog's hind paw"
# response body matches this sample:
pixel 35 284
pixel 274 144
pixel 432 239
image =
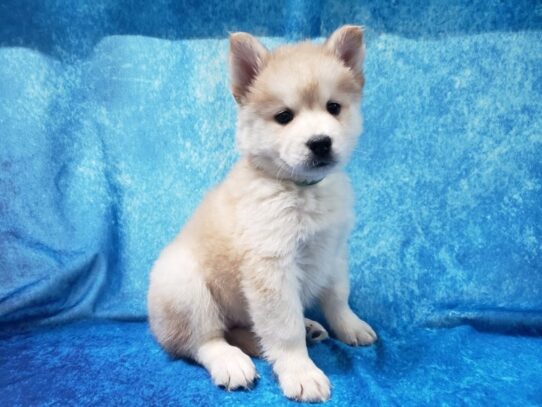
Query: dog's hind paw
pixel 315 332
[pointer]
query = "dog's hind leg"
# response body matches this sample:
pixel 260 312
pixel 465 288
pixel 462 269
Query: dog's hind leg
pixel 187 321
pixel 244 339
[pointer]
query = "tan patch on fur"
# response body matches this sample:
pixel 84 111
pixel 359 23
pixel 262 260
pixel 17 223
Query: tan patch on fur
pixel 260 285
pixel 222 279
pixel 265 100
pixel 351 84
pixel 301 69
pixel 171 327
pixel 310 94
pixel 237 92
pixel 218 259
pixel 245 340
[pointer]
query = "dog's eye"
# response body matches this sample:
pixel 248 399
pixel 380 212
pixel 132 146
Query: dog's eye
pixel 284 117
pixel 333 108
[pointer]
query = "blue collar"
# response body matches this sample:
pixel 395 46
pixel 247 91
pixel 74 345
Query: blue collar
pixel 307 183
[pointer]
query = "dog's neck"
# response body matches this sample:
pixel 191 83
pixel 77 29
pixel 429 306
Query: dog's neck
pixel 265 170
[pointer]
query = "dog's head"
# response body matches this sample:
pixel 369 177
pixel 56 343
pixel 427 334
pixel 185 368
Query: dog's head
pixel 299 105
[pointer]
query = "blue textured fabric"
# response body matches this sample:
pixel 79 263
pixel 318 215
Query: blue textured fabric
pixel 115 118
pixel 102 364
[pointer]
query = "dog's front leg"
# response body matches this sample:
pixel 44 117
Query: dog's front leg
pixel 346 325
pixel 272 291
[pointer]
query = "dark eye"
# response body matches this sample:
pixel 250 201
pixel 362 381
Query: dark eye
pixel 333 108
pixel 284 117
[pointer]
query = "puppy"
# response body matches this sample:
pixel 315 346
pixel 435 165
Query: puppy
pixel 271 239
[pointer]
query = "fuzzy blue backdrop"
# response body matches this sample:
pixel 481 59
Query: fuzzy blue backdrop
pixel 115 118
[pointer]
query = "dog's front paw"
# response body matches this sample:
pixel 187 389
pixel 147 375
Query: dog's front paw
pixel 354 331
pixel 233 370
pixel 301 380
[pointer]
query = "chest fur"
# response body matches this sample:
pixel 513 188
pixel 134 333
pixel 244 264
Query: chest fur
pixel 283 222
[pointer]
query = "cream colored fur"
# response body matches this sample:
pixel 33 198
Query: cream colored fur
pixel 262 247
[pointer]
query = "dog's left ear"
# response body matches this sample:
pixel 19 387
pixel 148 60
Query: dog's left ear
pixel 347 43
pixel 247 55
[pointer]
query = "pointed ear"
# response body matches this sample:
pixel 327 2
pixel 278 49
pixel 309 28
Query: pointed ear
pixel 347 43
pixel 247 55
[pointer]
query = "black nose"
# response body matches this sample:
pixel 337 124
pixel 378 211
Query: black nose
pixel 320 146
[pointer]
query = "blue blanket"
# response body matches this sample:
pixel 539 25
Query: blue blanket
pixel 115 118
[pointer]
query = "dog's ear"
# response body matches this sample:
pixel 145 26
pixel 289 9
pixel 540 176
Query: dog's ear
pixel 347 43
pixel 247 55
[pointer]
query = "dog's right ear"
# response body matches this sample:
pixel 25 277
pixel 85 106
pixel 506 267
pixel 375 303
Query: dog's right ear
pixel 247 55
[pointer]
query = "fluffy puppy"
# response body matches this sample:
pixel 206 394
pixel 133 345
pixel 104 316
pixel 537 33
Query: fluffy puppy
pixel 270 240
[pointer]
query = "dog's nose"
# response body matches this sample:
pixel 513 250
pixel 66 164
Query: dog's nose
pixel 320 146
